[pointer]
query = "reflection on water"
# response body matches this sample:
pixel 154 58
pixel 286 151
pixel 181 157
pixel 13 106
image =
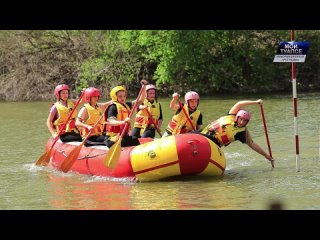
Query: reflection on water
pixel 82 192
pixel 249 182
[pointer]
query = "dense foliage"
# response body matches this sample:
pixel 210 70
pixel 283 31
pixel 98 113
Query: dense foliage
pixel 32 63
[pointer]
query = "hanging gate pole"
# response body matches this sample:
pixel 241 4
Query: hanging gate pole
pixel 295 107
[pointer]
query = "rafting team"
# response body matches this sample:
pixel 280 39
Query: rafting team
pixel 187 118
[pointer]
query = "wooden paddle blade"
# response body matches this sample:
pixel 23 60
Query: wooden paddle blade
pixel 70 159
pixel 113 155
pixel 44 159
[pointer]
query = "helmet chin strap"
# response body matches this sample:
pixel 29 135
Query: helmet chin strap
pixel 61 100
pixel 237 125
pixel 243 125
pixel 190 107
pixel 193 109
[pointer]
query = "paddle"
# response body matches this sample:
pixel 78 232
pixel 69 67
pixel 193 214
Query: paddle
pixel 45 158
pixel 185 113
pixel 73 155
pixel 266 132
pixel 156 127
pixel 113 155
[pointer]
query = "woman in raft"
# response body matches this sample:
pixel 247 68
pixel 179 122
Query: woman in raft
pixel 59 114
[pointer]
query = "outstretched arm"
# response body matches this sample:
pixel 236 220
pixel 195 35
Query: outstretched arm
pixel 173 103
pixel 105 105
pixel 257 148
pixel 143 93
pixel 244 103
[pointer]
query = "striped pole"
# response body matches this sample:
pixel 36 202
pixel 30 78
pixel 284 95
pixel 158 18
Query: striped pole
pixel 295 107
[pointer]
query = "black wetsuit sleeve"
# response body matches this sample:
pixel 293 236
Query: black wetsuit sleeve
pixel 129 104
pixel 199 122
pixel 112 111
pixel 212 138
pixel 241 136
pixel 160 118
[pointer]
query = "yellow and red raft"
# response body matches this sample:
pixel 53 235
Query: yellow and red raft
pixel 178 155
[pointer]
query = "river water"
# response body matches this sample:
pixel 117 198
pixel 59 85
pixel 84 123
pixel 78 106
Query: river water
pixel 248 183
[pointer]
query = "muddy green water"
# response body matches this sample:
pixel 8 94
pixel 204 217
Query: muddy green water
pixel 248 183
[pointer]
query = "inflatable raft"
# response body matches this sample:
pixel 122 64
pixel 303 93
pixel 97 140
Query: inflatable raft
pixel 178 155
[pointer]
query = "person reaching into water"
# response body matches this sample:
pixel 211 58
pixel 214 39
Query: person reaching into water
pixel 179 122
pixel 89 114
pixel 149 113
pixel 233 127
pixel 59 114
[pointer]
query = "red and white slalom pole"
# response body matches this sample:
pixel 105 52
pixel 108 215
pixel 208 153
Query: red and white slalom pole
pixel 295 108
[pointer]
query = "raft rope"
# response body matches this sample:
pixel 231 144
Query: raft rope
pixel 86 156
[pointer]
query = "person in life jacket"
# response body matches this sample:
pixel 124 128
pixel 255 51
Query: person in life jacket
pixel 149 113
pixel 88 116
pixel 233 127
pixel 118 115
pixel 59 114
pixel 179 122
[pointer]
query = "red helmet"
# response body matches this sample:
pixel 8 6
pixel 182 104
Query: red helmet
pixel 244 114
pixel 191 95
pixel 60 88
pixel 91 92
pixel 150 86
